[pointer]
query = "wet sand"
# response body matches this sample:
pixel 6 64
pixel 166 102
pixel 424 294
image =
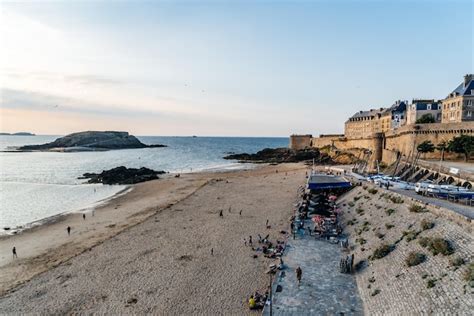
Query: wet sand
pixel 149 251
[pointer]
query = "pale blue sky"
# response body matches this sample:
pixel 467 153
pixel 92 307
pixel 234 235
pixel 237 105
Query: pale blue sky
pixel 267 68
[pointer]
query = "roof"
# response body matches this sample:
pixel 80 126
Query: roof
pixel 370 113
pixel 422 105
pixel 325 182
pixel 464 90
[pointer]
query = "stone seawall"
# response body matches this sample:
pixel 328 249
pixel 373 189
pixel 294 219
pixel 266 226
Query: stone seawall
pixel 388 286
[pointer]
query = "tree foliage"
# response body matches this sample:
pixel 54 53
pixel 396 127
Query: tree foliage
pixel 426 119
pixel 426 147
pixel 463 144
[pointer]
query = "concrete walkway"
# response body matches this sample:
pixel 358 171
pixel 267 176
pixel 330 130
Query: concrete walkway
pixel 323 290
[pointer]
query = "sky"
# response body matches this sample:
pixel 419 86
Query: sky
pixel 223 68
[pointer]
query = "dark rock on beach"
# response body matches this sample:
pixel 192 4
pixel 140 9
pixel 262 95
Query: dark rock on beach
pixel 122 175
pixel 280 155
pixel 90 141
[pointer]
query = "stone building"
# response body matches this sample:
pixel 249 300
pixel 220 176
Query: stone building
pixel 459 104
pixel 364 124
pixel 394 117
pixel 418 108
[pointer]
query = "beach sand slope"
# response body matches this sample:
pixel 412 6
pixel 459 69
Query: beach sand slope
pixel 164 264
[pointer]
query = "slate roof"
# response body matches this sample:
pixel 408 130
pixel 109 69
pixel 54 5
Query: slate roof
pixel 422 105
pixel 370 113
pixel 467 90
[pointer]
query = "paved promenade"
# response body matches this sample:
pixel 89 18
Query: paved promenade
pixel 323 290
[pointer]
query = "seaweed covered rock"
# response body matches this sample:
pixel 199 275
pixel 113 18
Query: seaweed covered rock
pixel 122 175
pixel 280 155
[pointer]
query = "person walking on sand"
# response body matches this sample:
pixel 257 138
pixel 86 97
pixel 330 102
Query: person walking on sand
pixel 212 251
pixel 250 241
pixel 299 273
pixel 68 230
pixel 220 213
pixel 240 213
pixel 84 216
pixel 14 253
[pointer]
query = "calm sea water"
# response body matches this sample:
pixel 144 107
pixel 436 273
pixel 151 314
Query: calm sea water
pixel 38 185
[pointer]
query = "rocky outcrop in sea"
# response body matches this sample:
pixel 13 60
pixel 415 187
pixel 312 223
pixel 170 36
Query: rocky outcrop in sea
pixel 281 155
pixel 122 175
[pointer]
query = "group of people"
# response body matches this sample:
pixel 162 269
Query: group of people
pixel 257 301
pixel 68 230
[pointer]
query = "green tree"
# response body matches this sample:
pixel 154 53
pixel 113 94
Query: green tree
pixel 443 148
pixel 425 147
pixel 463 144
pixel 426 119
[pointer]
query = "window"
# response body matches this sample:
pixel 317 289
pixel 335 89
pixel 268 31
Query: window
pixel 469 113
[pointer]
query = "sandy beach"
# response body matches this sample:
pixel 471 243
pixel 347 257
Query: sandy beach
pixel 149 251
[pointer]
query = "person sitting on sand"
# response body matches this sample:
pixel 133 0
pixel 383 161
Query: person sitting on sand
pixel 252 303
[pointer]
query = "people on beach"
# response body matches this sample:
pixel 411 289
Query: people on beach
pixel 220 213
pixel 84 216
pixel 212 251
pixel 14 253
pixel 68 230
pixel 250 241
pixel 299 273
pixel 240 213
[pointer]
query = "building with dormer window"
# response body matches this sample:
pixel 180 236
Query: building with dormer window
pixel 459 104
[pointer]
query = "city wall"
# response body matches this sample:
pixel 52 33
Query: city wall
pixel 386 147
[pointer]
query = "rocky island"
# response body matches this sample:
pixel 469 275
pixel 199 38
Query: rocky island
pixel 281 155
pixel 123 175
pixel 17 134
pixel 91 141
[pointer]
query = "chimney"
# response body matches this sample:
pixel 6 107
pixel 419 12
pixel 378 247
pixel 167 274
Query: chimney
pixel 467 79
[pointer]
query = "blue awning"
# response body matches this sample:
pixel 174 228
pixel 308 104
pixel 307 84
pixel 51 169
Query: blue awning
pixel 327 182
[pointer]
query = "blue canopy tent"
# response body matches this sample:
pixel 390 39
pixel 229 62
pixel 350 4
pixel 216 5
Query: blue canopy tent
pixel 319 182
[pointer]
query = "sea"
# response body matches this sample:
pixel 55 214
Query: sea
pixel 37 186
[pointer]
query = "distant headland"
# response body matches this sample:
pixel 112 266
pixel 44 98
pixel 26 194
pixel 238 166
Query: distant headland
pixel 17 134
pixel 91 141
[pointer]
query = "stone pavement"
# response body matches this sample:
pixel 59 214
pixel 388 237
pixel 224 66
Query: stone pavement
pixel 323 290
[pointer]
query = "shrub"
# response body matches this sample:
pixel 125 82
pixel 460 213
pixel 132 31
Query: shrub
pixel 372 191
pixel 426 224
pixel 469 274
pixel 415 208
pixel 431 283
pixel 396 199
pixel 415 258
pixel 437 245
pixel 371 279
pixel 356 198
pixel 379 235
pixel 360 211
pixel 361 241
pixel 350 222
pixel 390 211
pixel 382 251
pixel 410 235
pixel 375 292
pixel 389 226
pixel 456 261
pixel 351 204
pixel 424 241
pixel 364 187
